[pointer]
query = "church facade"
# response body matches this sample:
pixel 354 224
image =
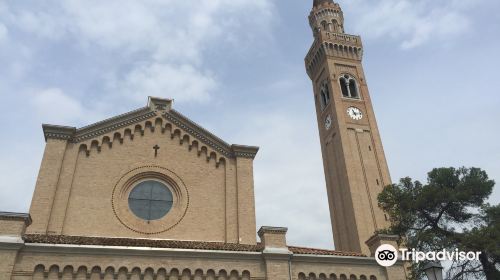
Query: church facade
pixel 152 195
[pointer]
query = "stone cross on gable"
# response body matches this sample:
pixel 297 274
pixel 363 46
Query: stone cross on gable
pixel 156 148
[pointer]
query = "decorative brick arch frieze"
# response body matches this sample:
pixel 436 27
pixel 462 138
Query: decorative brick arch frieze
pixel 75 271
pixel 154 125
pixel 333 276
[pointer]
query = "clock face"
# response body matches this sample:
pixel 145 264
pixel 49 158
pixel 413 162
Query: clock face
pixel 328 122
pixel 354 113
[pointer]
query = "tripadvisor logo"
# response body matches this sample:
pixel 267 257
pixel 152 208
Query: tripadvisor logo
pixel 387 255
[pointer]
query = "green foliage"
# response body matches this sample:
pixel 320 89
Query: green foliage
pixel 447 212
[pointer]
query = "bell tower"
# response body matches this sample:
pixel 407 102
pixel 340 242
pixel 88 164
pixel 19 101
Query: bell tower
pixel 353 158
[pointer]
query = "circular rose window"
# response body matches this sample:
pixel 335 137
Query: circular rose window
pixel 150 200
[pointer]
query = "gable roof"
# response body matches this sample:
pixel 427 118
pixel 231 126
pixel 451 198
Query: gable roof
pixel 155 107
pixel 173 244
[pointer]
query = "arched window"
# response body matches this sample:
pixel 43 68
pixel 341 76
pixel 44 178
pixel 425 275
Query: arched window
pixel 353 89
pixel 324 95
pixel 324 24
pixel 344 87
pixel 349 86
pixel 335 26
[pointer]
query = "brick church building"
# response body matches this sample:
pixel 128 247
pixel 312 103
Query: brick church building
pixel 152 195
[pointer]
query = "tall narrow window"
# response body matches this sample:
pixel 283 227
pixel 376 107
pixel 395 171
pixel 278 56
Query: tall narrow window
pixel 324 25
pixel 349 86
pixel 324 95
pixel 353 89
pixel 344 87
pixel 335 26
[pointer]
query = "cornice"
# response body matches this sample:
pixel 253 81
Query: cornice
pixel 341 38
pixel 93 250
pixel 58 132
pixel 113 123
pixel 16 216
pixel 244 151
pixel 267 229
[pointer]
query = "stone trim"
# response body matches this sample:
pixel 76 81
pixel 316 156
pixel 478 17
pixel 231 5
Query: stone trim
pixel 58 132
pixel 16 216
pixel 71 250
pixel 159 104
pixel 244 151
pixel 11 242
pixel 267 229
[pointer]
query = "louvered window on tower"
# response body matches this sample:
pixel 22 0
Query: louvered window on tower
pixel 349 87
pixel 324 96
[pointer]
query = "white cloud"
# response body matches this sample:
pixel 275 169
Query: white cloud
pixel 182 82
pixel 160 34
pixel 53 106
pixel 169 30
pixel 414 23
pixel 3 33
pixel 39 23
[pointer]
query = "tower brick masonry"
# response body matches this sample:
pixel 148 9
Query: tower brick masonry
pixel 353 157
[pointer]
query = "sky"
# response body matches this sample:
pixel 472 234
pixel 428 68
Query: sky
pixel 236 67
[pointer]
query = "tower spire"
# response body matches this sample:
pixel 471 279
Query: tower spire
pixel 319 2
pixel 326 16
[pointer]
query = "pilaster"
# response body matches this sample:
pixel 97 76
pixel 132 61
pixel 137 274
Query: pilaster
pixel 276 254
pixel 231 203
pixel 245 193
pixel 12 227
pixel 57 138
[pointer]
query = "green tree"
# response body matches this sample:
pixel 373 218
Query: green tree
pixel 448 212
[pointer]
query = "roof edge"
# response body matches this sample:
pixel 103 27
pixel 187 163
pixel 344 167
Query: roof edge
pixel 16 216
pixel 173 244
